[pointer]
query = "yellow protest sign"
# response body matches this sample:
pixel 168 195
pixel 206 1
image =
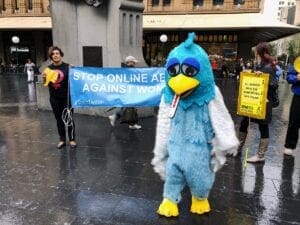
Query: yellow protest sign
pixel 252 99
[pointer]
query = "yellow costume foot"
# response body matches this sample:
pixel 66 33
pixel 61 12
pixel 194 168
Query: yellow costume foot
pixel 200 206
pixel 168 208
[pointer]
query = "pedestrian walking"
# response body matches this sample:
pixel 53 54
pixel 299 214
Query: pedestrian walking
pixel 29 70
pixel 214 66
pixel 60 98
pixel 224 69
pixel 266 64
pixel 239 67
pixel 130 61
pixel 291 139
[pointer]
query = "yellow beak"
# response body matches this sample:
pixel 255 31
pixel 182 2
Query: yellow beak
pixel 182 84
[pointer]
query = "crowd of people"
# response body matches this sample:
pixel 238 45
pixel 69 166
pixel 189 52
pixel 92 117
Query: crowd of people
pixel 60 101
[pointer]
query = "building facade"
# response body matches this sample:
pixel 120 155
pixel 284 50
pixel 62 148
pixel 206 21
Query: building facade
pixel 283 7
pixel 30 22
pixel 226 29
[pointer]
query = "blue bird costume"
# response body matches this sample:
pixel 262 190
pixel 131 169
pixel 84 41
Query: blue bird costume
pixel 194 129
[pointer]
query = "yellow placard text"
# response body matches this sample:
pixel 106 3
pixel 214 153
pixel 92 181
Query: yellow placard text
pixel 252 99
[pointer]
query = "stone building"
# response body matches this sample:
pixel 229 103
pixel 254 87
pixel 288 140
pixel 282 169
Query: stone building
pixel 225 28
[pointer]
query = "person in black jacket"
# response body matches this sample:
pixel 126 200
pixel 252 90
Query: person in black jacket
pixel 266 64
pixel 60 97
pixel 292 134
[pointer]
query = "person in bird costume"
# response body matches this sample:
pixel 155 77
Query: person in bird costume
pixel 194 129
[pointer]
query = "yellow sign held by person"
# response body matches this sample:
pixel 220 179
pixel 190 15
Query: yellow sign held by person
pixel 252 99
pixel 297 64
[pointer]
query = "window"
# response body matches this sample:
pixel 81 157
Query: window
pixel 239 2
pixel 30 4
pixel 218 2
pixel 166 2
pixel 16 5
pixel 155 2
pixel 197 2
pixel 3 5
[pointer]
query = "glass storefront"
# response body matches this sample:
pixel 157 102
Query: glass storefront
pixel 220 46
pixel 16 54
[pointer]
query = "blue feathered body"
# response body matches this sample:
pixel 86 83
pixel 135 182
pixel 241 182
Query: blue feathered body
pixel 189 150
pixel 189 144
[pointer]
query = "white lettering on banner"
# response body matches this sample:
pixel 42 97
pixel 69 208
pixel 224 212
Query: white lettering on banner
pixel 158 77
pixel 89 102
pixel 143 89
pixel 87 76
pixel 95 87
pixel 116 87
pixel 131 78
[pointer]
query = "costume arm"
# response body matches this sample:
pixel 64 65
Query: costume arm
pixel 225 140
pixel 161 139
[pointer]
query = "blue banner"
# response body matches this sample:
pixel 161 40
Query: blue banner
pixel 116 87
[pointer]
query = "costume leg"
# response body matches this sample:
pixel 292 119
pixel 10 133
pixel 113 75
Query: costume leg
pixel 174 183
pixel 200 181
pixel 172 191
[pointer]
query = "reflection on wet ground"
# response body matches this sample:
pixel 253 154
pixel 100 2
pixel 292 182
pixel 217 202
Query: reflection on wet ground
pixel 108 179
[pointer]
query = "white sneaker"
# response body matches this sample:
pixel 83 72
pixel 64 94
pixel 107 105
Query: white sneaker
pixel 112 119
pixel 288 151
pixel 135 127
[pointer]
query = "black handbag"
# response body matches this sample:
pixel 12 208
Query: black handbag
pixel 129 116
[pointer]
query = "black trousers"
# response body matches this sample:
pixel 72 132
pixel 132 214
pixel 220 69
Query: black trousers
pixel 263 127
pixel 58 105
pixel 292 134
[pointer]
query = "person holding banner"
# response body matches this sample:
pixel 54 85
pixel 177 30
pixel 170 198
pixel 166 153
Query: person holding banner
pixel 266 64
pixel 293 77
pixel 60 96
pixel 130 61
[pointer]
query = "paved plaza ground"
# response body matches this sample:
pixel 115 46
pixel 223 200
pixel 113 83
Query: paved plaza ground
pixel 108 179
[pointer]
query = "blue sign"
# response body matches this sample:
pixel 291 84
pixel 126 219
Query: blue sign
pixel 116 87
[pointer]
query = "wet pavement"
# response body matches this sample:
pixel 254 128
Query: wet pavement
pixel 108 179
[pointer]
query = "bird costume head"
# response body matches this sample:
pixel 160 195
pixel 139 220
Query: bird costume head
pixel 189 74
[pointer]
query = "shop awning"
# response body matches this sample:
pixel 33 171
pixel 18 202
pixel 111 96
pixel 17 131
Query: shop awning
pixel 12 23
pixel 264 28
